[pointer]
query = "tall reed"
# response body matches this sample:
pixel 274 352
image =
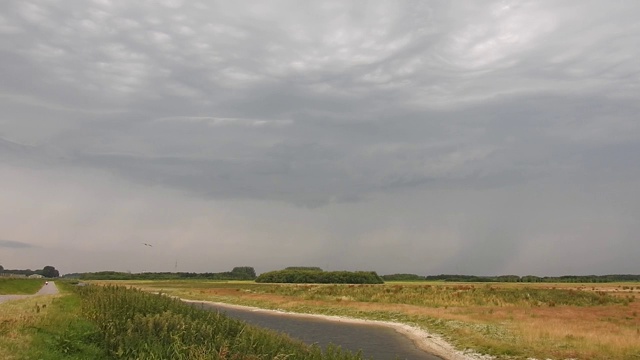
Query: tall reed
pixel 138 325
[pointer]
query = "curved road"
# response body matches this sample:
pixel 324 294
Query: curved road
pixel 49 289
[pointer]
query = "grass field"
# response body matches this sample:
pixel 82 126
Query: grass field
pixel 20 286
pixel 507 320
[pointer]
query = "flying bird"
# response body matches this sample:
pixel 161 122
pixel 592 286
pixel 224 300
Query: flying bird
pixel 149 245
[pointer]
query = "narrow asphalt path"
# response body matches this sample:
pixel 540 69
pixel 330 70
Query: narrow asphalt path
pixel 49 289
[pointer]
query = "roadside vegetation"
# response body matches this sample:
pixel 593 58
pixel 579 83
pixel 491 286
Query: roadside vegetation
pixel 507 320
pixel 112 322
pixel 48 327
pixel 135 324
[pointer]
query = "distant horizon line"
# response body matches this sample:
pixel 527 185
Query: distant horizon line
pixel 395 273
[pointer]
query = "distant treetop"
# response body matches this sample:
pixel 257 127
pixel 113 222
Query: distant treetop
pixel 320 277
pixel 310 268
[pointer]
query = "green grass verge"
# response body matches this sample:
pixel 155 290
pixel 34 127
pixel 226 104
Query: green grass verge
pixel 47 327
pixel 65 334
pixel 20 286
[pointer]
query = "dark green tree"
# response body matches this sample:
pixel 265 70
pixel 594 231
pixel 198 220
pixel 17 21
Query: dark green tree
pixel 50 272
pixel 245 272
pixel 311 268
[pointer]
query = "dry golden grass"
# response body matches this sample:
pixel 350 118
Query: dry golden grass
pixel 602 332
pixel 15 316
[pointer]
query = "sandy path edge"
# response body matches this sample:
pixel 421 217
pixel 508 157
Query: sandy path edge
pixel 431 343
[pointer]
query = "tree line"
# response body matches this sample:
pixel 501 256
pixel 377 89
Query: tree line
pixel 319 277
pixel 533 279
pixel 47 271
pixel 238 273
pixel 515 278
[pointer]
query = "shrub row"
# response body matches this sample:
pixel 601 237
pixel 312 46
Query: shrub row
pixel 320 277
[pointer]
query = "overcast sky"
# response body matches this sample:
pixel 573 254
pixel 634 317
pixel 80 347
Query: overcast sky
pixel 428 137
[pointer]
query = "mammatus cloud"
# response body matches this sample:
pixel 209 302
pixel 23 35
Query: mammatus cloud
pixel 433 135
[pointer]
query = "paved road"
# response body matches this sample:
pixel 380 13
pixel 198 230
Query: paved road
pixel 49 289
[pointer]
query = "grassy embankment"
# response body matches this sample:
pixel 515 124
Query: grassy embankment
pixel 15 286
pixel 117 323
pixel 48 327
pixel 515 321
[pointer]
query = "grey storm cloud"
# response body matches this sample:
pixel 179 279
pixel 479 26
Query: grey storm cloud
pixel 445 112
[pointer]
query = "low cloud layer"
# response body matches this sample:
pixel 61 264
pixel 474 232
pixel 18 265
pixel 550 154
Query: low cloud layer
pixel 13 244
pixel 429 137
